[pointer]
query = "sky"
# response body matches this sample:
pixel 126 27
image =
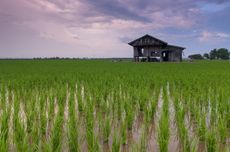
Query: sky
pixel 102 28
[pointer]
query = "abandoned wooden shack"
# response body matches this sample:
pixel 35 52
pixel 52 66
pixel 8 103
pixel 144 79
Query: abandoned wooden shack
pixel 150 49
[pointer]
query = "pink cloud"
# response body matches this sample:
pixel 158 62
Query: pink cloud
pixel 213 36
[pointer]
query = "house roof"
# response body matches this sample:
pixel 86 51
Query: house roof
pixel 152 41
pixel 147 40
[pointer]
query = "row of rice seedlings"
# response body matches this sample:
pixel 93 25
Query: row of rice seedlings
pixel 4 121
pixel 183 109
pixel 211 143
pixel 207 115
pixel 130 115
pixel 221 128
pixel 150 109
pixel 107 129
pixel 206 131
pixel 163 128
pixel 123 132
pixel 19 127
pixel 116 145
pixel 92 139
pixel 73 128
pixel 222 118
pixel 56 132
pixel 33 120
pixel 182 130
pixel 123 108
pixel 4 118
pixel 80 98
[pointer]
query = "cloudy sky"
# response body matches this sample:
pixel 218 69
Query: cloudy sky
pixel 102 28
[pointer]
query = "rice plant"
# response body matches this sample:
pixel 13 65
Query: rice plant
pixel 109 103
pixel 163 129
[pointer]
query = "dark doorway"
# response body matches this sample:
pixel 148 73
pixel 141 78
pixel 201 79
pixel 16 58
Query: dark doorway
pixel 140 51
pixel 165 56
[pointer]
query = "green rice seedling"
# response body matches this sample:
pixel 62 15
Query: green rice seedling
pixel 30 114
pixel 100 121
pixel 163 133
pixel 35 137
pixel 183 133
pixel 184 137
pixel 147 114
pixel 163 129
pixel 43 122
pixel 3 145
pixel 130 115
pixel 143 99
pixel 51 108
pixel 124 132
pixel 116 146
pixel 119 110
pixel 20 138
pixel 57 131
pixel 182 130
pixel 47 147
pixel 103 106
pixel 211 141
pixel 73 133
pixel 80 99
pixel 154 102
pixel 107 128
pixel 4 131
pixel 194 143
pixel 202 127
pixel 223 130
pixel 92 140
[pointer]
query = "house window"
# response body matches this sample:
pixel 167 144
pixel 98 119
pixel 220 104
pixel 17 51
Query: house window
pixel 154 53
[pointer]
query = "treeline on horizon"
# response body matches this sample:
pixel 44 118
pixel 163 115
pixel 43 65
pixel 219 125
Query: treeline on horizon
pixel 215 54
pixel 64 58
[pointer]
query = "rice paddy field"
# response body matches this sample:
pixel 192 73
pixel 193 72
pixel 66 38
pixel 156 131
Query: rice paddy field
pixel 99 105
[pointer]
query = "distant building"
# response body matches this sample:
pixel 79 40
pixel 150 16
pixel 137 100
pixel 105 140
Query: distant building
pixel 150 49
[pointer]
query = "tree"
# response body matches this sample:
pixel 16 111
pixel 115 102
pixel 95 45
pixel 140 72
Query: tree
pixel 223 54
pixel 206 55
pixel 213 54
pixel 196 57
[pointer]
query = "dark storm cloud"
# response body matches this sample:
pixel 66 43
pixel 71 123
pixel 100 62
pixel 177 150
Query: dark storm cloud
pixel 139 9
pixel 116 9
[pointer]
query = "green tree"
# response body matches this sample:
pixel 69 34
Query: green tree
pixel 206 55
pixel 196 57
pixel 223 54
pixel 213 54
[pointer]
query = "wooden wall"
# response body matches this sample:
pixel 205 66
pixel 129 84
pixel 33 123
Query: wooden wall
pixel 174 54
